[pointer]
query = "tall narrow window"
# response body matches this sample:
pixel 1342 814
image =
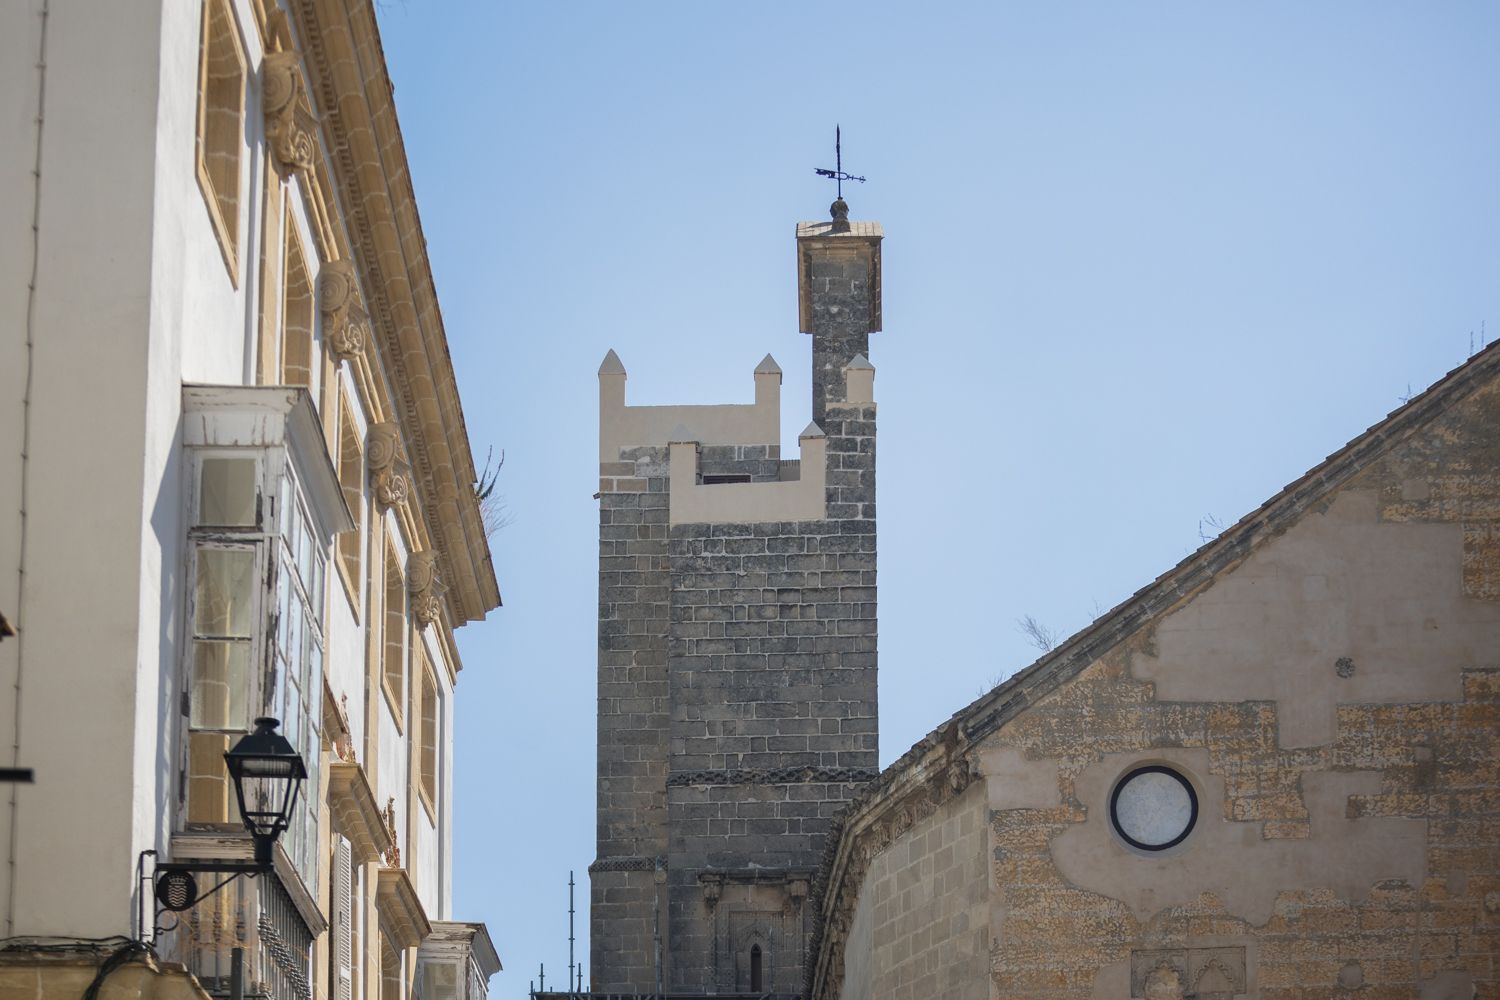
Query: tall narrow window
pixel 297 694
pixel 221 126
pixel 341 921
pixel 427 738
pixel 393 662
pixel 756 985
pixel 297 356
pixel 224 613
pixel 351 478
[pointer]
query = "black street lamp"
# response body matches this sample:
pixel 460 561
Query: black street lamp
pixel 267 775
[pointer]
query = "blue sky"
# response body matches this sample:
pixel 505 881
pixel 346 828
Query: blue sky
pixel 1144 265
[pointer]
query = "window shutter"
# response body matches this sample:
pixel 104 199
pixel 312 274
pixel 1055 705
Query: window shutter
pixel 343 919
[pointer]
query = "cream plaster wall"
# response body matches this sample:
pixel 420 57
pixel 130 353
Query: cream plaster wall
pixel 1340 583
pixel 20 31
pixel 801 499
pixel 1228 858
pixel 91 492
pixel 622 426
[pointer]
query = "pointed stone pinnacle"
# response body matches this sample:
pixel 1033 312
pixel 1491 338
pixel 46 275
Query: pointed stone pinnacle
pixel 812 431
pixel 859 363
pixel 611 364
pixel 768 366
pixel 681 435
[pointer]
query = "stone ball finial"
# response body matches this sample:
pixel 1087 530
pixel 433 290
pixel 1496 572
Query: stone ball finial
pixel 840 212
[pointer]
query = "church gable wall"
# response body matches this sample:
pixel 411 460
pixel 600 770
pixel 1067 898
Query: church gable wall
pixel 1271 773
pixel 1334 702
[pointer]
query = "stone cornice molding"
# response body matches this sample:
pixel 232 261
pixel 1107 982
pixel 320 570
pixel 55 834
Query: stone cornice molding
pixel 625 863
pixel 401 910
pixel 347 71
pixel 425 588
pixel 804 774
pixel 346 324
pixel 355 812
pixel 290 125
pixel 390 474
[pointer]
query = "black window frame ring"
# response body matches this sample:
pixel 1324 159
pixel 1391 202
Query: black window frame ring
pixel 1114 798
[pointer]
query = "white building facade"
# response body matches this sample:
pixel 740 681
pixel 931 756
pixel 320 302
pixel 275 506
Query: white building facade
pixel 235 482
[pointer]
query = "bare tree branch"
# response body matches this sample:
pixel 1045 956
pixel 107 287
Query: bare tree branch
pixel 1039 635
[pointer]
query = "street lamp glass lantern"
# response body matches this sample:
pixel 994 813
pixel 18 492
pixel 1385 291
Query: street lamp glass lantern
pixel 267 775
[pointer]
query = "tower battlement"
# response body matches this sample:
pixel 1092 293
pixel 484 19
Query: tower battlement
pixel 622 426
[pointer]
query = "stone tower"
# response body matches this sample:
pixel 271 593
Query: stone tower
pixel 737 651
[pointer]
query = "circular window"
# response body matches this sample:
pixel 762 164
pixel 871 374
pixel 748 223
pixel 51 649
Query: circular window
pixel 1153 808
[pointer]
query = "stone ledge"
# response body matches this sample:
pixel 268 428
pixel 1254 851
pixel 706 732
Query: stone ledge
pixel 397 900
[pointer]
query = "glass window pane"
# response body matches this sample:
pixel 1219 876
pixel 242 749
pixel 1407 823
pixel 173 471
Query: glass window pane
pixel 442 981
pixel 220 697
pixel 304 552
pixel 209 794
pixel 225 589
pixel 226 494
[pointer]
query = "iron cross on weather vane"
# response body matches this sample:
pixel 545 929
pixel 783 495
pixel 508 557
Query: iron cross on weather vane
pixel 837 173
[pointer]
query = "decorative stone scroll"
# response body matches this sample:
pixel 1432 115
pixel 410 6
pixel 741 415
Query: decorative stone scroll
pixel 290 127
pixel 390 474
pixel 345 321
pixel 425 588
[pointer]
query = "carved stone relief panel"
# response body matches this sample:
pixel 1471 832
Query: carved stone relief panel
pixel 1179 973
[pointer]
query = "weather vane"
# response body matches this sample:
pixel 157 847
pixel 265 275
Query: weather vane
pixel 838 159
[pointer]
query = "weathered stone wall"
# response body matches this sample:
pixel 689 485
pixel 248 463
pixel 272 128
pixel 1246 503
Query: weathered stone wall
pixel 773 713
pixel 632 722
pixel 1335 701
pixel 1325 678
pixel 921 927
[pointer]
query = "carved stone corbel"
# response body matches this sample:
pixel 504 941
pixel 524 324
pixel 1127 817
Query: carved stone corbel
pixel 290 127
pixel 713 886
pixel 346 325
pixel 425 588
pixel 390 475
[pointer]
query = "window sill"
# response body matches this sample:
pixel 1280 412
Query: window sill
pixel 351 589
pixel 428 806
pixel 393 703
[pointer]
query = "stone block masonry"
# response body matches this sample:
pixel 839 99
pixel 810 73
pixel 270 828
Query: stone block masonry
pixel 737 657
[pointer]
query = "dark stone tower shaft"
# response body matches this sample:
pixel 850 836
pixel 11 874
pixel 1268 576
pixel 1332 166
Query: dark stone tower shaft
pixel 737 653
